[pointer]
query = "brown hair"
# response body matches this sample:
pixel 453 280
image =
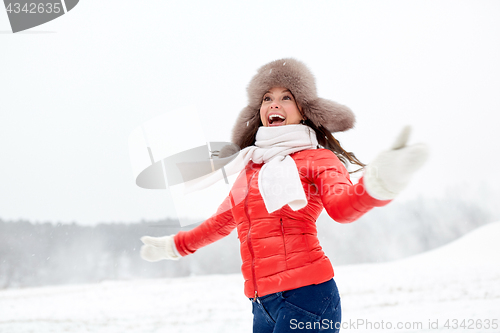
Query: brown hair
pixel 328 141
pixel 324 137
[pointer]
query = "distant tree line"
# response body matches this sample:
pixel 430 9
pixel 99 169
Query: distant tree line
pixel 36 254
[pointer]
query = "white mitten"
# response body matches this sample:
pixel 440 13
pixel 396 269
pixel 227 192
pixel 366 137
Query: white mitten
pixel 392 169
pixel 158 248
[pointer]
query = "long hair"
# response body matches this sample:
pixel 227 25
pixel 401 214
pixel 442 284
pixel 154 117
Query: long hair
pixel 328 141
pixel 324 137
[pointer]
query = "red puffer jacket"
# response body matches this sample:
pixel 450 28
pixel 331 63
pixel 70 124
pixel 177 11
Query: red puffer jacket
pixel 281 251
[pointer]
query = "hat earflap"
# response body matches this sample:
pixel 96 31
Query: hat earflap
pixel 333 116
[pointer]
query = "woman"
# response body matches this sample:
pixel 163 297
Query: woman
pixel 292 170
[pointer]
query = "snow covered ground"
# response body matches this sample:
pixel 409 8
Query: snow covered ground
pixel 459 281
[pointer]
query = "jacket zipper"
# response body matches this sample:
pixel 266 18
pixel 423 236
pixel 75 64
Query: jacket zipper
pixel 283 236
pixel 249 240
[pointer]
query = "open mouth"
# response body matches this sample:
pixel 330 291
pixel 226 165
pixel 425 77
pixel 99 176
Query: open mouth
pixel 276 120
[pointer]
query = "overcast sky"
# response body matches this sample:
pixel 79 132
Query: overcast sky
pixel 72 90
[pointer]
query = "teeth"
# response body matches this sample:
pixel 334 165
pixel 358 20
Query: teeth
pixel 276 116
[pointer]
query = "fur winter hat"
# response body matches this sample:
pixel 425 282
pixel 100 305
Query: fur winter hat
pixel 295 76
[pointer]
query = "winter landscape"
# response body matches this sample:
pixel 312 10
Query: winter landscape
pixel 71 215
pixel 454 288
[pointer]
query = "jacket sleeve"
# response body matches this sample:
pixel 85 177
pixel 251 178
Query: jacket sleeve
pixel 343 201
pixel 214 228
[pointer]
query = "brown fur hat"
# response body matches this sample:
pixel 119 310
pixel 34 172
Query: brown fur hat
pixel 295 76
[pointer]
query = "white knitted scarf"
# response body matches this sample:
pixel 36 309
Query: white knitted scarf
pixel 279 180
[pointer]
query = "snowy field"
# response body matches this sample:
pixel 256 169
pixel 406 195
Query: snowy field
pixel 460 281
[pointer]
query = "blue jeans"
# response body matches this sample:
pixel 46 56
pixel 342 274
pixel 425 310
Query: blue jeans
pixel 314 308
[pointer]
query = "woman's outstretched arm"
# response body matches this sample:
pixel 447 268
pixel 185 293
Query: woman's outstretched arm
pixel 343 201
pixel 214 228
pixel 383 180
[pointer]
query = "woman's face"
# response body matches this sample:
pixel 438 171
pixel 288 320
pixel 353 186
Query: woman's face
pixel 279 108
